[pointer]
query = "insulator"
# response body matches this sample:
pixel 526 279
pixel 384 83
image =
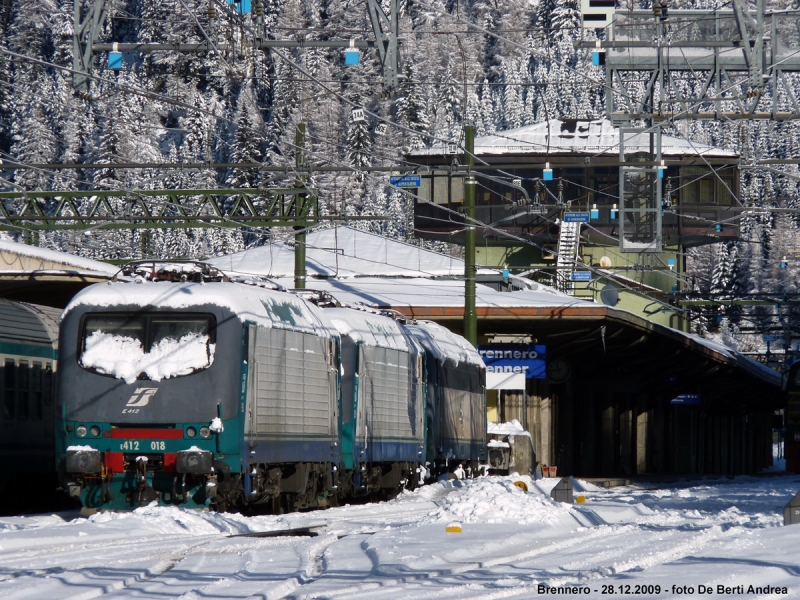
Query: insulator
pixel 212 11
pixel 259 9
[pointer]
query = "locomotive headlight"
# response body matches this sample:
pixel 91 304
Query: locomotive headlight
pixel 94 430
pixel 205 432
pixel 81 431
pixel 191 432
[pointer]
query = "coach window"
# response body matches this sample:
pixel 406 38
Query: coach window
pixel 9 388
pixel 36 391
pixel 47 384
pixel 23 389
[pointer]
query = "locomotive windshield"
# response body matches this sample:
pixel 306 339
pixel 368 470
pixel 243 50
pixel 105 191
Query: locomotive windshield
pixel 147 346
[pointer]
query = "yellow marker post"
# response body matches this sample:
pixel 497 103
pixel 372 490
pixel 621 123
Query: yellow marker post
pixel 453 528
pixel 580 499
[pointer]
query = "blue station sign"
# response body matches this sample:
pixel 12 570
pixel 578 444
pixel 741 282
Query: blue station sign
pixel 576 217
pixel 514 358
pixel 405 181
pixel 581 276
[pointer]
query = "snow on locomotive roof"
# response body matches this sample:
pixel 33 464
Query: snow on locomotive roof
pixel 444 344
pixel 368 328
pixel 261 306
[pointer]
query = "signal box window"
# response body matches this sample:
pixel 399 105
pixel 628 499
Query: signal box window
pixel 700 185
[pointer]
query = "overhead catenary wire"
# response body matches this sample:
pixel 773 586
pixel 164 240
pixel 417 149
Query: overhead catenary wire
pixel 417 132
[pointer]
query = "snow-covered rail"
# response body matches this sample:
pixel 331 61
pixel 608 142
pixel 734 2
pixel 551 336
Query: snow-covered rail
pixel 718 534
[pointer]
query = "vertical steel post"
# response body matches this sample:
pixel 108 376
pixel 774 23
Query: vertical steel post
pixel 300 230
pixel 470 316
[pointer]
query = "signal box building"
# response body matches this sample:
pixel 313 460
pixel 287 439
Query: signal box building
pixel 700 187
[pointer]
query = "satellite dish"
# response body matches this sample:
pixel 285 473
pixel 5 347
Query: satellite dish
pixel 609 295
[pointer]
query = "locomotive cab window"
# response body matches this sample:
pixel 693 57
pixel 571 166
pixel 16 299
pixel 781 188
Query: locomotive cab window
pixel 147 346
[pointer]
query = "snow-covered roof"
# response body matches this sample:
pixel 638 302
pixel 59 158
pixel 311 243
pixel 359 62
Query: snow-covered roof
pixel 46 257
pixel 753 366
pixel 368 328
pixel 342 253
pixel 577 137
pixel 268 308
pixel 444 344
pixel 407 294
pixel 413 297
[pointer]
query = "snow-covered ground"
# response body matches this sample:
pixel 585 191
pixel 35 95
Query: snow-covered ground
pixel 647 539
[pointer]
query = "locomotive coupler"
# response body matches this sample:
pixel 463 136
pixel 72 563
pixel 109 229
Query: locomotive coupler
pixel 146 494
pixel 211 486
pixel 141 471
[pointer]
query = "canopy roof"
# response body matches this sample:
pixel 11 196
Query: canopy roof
pixel 572 136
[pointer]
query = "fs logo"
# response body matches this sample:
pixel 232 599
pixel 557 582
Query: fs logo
pixel 140 398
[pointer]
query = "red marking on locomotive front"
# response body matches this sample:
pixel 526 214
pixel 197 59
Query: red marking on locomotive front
pixel 144 434
pixel 170 461
pixel 115 462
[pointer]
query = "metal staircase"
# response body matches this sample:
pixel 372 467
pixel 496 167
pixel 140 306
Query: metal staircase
pixel 568 244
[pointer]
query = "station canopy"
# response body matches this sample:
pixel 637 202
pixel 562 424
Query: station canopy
pixel 422 284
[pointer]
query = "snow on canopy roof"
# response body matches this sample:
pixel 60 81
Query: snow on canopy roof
pixel 409 294
pixel 51 256
pixel 748 364
pixel 268 308
pixel 368 328
pixel 444 344
pixel 577 137
pixel 343 253
pixel 399 294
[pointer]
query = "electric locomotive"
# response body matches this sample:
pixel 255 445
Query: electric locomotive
pixel 182 387
pixel 186 389
pixel 382 390
pixel 455 407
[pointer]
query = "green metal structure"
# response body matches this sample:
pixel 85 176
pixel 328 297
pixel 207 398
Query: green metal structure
pixel 158 209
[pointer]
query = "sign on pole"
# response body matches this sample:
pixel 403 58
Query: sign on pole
pixel 576 217
pixel 405 181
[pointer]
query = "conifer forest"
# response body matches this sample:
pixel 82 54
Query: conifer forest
pixel 241 105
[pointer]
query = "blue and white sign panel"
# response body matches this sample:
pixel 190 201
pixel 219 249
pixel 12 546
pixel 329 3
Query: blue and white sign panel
pixel 405 181
pixel 514 358
pixel 581 276
pixel 686 399
pixel 576 217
